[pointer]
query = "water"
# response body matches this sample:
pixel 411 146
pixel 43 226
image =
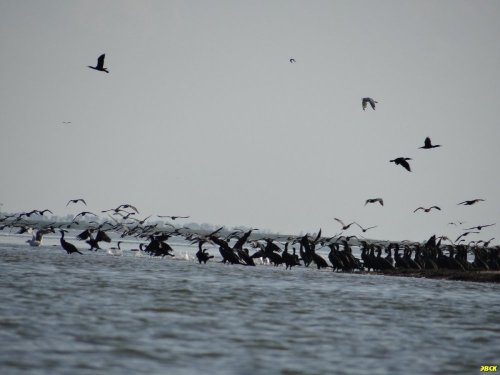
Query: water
pixel 74 314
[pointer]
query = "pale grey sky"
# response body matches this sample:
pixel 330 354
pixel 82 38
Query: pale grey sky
pixel 202 113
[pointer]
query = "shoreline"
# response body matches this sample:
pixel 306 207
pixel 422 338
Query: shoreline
pixel 474 276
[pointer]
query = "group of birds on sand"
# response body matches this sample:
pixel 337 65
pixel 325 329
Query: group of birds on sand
pixel 246 247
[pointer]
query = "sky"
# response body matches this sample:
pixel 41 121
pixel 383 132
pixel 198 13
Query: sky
pixel 203 114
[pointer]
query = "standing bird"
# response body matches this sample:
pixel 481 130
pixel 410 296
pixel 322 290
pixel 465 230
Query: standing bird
pixel 69 247
pixel 365 101
pixel 428 144
pixel 76 201
pixel 100 64
pixel 402 162
pixel 427 209
pixel 471 202
pixel 375 200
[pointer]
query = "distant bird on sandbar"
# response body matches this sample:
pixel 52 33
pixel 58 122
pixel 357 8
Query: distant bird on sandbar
pixel 471 202
pixel 173 217
pixel 428 209
pixel 365 101
pixel 344 226
pixel 428 144
pixel 292 60
pixel 100 64
pixel 375 200
pixel 402 162
pixel 479 227
pixel 76 201
pixel 69 247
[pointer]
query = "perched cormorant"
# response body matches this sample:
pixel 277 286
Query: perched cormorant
pixel 69 247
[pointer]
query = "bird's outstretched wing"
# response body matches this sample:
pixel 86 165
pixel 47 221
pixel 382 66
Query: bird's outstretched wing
pixel 100 61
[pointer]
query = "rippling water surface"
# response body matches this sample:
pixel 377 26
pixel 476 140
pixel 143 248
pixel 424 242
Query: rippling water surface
pixel 96 313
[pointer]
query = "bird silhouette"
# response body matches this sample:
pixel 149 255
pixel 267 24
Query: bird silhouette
pixel 173 217
pixel 292 60
pixel 344 226
pixel 427 209
pixel 76 201
pixel 69 247
pixel 428 144
pixel 365 101
pixel 374 200
pixel 479 227
pixel 364 229
pixel 471 202
pixel 402 162
pixel 100 64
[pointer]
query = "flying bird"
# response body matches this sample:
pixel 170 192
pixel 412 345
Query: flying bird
pixel 427 209
pixel 375 200
pixel 100 64
pixel 471 202
pixel 292 60
pixel 479 227
pixel 76 201
pixel 402 162
pixel 344 226
pixel 364 229
pixel 428 144
pixel 464 234
pixel 66 122
pixel 174 217
pixel 365 101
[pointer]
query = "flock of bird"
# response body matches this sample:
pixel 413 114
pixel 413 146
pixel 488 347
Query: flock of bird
pixel 246 247
pixel 433 254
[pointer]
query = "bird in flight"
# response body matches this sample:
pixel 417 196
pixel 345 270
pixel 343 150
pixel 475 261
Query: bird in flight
pixel 428 144
pixel 100 64
pixel 364 229
pixel 479 227
pixel 292 60
pixel 427 209
pixel 344 226
pixel 365 101
pixel 174 217
pixel 471 202
pixel 402 162
pixel 66 122
pixel 76 201
pixel 375 200
pixel 464 234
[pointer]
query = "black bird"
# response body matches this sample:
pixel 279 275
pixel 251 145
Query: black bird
pixel 82 214
pixel 479 227
pixel 374 200
pixel 365 101
pixel 344 226
pixel 76 201
pixel 292 60
pixel 471 202
pixel 173 217
pixel 427 209
pixel 69 247
pixel 464 234
pixel 402 162
pixel 428 144
pixel 100 64
pixel 364 229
